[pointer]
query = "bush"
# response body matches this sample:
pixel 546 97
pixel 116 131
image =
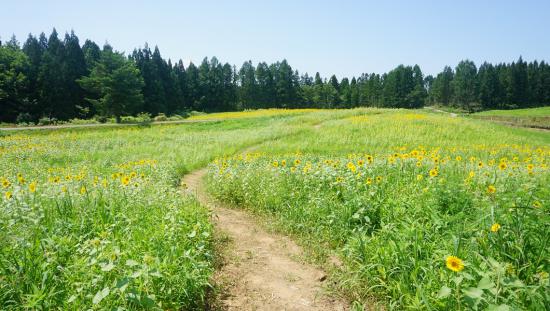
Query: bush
pixel 47 121
pixel 24 118
pixel 161 117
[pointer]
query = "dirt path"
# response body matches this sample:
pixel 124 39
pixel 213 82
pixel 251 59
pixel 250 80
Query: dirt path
pixel 261 270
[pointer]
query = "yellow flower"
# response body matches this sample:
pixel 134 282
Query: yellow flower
pixel 370 158
pixel 275 164
pixel 458 158
pixel 495 227
pixel 419 177
pixel 480 164
pixel 502 166
pixel 83 190
pixel 125 180
pixel 433 172
pixel 378 178
pixel 537 204
pixel 360 162
pixel 491 189
pixel 297 162
pixel 283 162
pixel 8 195
pixel 454 263
pixel 293 169
pixel 32 187
pixel 369 181
pixel 472 174
pixel 64 189
pixel 5 183
pixel 339 179
pixel 418 164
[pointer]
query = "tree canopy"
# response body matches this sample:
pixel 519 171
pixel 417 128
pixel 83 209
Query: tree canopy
pixel 54 78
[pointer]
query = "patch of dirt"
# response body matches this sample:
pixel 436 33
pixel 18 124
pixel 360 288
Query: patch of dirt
pixel 260 270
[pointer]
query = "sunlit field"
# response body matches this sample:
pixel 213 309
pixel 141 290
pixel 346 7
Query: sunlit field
pixel 424 211
pixel 405 209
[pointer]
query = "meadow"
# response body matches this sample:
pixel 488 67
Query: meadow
pixel 406 209
pixel 531 117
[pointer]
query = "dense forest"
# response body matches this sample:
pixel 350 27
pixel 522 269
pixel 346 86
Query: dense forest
pixel 49 77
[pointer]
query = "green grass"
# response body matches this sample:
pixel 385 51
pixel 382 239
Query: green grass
pixel 94 218
pixel 529 112
pixel 107 225
pixel 394 235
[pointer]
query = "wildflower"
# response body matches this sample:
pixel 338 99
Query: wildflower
pixel 275 164
pixel 8 195
pixel 433 172
pixel 360 162
pixel 293 169
pixel 351 167
pixel 368 181
pixel 125 180
pixel 502 166
pixel 370 159
pixel 32 187
pixel 339 179
pixel 418 164
pixel 480 165
pixel 530 167
pixel 495 227
pixel 419 177
pixel 537 204
pixel 454 263
pixel 458 158
pixel 491 189
pixel 5 183
pixel 283 163
pixel 83 190
pixel 64 189
pixel 297 162
pixel 378 178
pixel 472 174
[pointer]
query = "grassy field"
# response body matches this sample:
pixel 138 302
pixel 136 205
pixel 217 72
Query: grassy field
pixel 532 117
pixel 94 218
pixel 423 210
pixel 530 112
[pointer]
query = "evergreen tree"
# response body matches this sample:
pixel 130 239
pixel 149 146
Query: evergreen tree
pixel 465 86
pixel 117 83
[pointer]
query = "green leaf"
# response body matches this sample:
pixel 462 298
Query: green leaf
pixel 472 292
pixel 100 295
pixel 443 292
pixel 502 307
pixel 107 267
pixel 122 284
pixel 485 283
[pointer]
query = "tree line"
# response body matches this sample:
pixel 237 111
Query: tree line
pixel 62 79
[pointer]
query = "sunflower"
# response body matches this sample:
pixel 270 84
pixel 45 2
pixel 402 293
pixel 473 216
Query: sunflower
pixel 297 162
pixel 5 183
pixel 472 174
pixel 360 162
pixel 480 164
pixel 418 164
pixel 433 172
pixel 378 178
pixel 502 166
pixel 8 195
pixel 419 177
pixel 370 158
pixel 32 187
pixel 283 163
pixel 275 163
pixel 454 263
pixel 339 179
pixel 491 189
pixel 537 204
pixel 368 181
pixel 495 227
pixel 83 190
pixel 458 158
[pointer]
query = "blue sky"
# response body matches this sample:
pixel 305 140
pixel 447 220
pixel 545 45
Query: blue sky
pixel 341 37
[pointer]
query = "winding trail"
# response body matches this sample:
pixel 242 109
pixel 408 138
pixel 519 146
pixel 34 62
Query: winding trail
pixel 261 270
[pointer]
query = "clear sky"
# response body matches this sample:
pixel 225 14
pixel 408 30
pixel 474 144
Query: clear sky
pixel 342 37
